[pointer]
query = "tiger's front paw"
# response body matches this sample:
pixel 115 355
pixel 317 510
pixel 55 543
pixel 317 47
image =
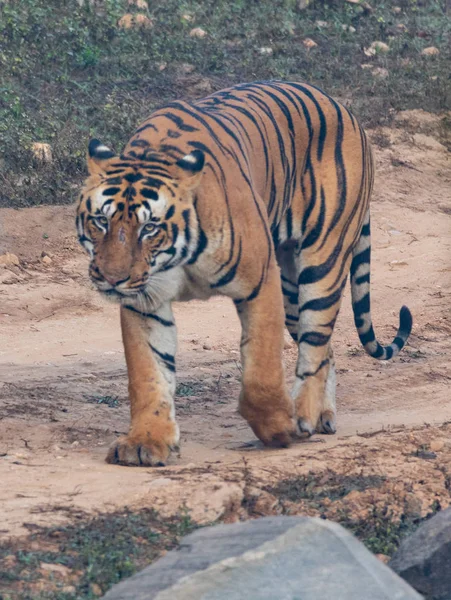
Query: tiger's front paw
pixel 273 426
pixel 145 446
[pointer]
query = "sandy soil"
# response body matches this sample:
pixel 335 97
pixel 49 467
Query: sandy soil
pixel 63 382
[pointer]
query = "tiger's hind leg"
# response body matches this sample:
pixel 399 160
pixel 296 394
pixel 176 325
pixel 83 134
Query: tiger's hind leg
pixel 289 276
pixel 319 302
pixel 286 258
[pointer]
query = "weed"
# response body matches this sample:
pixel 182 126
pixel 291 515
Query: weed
pixel 111 401
pixel 327 485
pixel 101 550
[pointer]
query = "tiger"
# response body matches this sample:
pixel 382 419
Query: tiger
pixel 259 192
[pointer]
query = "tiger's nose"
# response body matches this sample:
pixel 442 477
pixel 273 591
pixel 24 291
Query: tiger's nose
pixel 114 280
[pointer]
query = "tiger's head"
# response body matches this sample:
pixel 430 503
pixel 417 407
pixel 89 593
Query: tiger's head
pixel 136 216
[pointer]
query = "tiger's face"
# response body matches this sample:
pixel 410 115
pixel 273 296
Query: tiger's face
pixel 136 217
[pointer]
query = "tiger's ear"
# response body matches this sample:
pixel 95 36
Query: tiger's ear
pixel 190 169
pixel 98 157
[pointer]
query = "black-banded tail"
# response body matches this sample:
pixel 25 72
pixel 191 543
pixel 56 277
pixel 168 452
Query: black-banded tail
pixel 360 289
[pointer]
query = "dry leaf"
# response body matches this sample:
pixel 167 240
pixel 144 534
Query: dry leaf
pixel 375 48
pixel 380 72
pixel 198 32
pixel 42 152
pixel 143 21
pixel 309 43
pixel 431 51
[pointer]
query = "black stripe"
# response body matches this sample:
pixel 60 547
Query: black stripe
pixel 168 359
pixel 363 279
pixel 362 306
pixel 146 126
pixel 186 218
pixel 150 194
pixel 369 336
pixel 170 212
pixel 314 338
pixel 230 275
pixel 313 373
pixel 153 316
pixel 323 303
pixel 178 121
pixel 202 243
pixel 362 258
pixel 315 233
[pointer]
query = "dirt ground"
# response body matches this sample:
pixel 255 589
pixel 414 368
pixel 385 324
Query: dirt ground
pixel 63 396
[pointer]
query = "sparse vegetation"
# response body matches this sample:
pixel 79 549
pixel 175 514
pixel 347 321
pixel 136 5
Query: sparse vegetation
pixel 83 560
pixel 69 71
pixel 381 530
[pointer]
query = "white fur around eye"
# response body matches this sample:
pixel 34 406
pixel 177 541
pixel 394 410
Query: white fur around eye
pixel 143 214
pixel 109 209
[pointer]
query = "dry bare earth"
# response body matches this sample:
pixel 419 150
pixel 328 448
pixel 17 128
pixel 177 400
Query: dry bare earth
pixel 63 380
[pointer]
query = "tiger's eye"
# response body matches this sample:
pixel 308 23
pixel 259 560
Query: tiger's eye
pixel 149 229
pixel 101 222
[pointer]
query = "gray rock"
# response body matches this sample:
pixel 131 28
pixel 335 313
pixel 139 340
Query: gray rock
pixel 275 558
pixel 424 558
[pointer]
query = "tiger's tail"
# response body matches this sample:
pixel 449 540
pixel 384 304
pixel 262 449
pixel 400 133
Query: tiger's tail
pixel 360 290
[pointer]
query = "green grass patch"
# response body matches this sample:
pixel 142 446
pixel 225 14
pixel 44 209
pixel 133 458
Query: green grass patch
pixel 95 553
pixel 69 72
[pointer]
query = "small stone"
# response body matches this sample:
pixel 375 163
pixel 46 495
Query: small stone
pixel 186 68
pixel 349 28
pixel 266 51
pixel 10 561
pixel 431 51
pixel 162 66
pixel 322 24
pixel 206 347
pixel 380 73
pixel 398 263
pixel 47 260
pixel 69 589
pixel 383 557
pixel 376 48
pixel 8 278
pixel 42 152
pixel 367 7
pixel 143 21
pixel 198 32
pixel 397 10
pixel 126 21
pixel 9 259
pixel 141 4
pixel 437 445
pixel 54 568
pixel 188 18
pixel 96 590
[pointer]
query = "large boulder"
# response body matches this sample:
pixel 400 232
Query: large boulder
pixel 424 558
pixel 283 558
